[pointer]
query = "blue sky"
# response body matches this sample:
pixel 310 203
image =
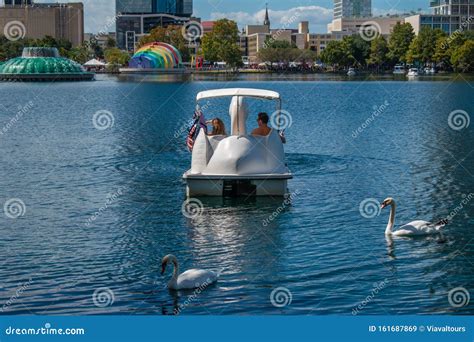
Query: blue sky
pixel 318 12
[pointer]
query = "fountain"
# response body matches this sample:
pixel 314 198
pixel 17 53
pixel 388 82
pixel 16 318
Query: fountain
pixel 42 64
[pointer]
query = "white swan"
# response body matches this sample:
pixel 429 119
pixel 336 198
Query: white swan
pixel 413 228
pixel 189 279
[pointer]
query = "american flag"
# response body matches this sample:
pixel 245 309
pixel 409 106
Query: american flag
pixel 199 123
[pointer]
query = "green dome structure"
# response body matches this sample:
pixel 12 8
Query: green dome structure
pixel 42 64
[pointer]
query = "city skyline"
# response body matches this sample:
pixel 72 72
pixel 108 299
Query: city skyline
pixel 318 13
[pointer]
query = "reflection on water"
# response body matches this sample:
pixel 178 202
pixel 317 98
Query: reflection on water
pixel 103 207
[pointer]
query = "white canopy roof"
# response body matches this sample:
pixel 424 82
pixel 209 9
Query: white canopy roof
pixel 94 62
pixel 262 93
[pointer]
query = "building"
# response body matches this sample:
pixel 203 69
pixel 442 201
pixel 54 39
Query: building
pixel 352 8
pixel 384 25
pixel 447 23
pixel 58 20
pixel 318 41
pixel 136 18
pixel 448 15
pixel 463 8
pixel 101 39
pixel 254 37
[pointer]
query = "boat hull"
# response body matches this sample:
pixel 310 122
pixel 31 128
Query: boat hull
pixel 235 186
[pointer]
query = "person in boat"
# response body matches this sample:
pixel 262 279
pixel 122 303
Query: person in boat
pixel 263 129
pixel 262 121
pixel 218 127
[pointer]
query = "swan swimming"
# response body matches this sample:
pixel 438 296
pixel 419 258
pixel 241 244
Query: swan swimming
pixel 189 279
pixel 414 228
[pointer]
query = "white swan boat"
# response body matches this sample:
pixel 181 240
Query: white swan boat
pixel 238 164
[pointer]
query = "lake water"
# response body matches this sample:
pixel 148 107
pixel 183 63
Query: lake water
pixel 103 206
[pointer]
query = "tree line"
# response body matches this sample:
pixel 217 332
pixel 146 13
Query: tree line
pixel 429 47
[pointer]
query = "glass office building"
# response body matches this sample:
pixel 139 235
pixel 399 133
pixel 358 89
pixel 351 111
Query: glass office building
pixel 136 18
pixel 352 8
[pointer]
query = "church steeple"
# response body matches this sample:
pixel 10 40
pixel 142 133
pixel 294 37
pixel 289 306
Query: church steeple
pixel 267 20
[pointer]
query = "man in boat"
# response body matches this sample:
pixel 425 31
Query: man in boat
pixel 263 129
pixel 262 121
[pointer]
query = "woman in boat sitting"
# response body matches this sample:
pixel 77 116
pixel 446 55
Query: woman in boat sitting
pixel 218 127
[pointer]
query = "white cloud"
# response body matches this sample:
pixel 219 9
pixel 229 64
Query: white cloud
pixel 316 15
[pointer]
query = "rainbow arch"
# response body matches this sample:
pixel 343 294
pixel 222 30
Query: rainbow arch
pixel 156 55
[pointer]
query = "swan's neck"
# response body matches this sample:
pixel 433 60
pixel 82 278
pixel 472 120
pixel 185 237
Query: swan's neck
pixel 391 219
pixel 174 279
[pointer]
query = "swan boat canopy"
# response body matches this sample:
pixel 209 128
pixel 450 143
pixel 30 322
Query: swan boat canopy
pixel 239 164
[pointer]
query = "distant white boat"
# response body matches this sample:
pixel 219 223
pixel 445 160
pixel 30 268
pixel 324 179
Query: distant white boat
pixel 413 72
pixel 351 72
pixel 399 70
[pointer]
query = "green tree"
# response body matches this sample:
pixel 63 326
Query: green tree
pixel 80 54
pixel 357 49
pixel 378 52
pixel 463 57
pixel 336 54
pixel 111 43
pixel 399 43
pixel 221 43
pixel 116 56
pixel 423 47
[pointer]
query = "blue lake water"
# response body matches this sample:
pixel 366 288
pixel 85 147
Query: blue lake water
pixel 329 257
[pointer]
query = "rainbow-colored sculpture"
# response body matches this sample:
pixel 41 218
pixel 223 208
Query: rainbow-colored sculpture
pixel 156 55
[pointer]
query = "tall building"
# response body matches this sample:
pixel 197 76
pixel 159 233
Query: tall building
pixel 136 18
pixel 352 8
pixel 453 7
pixel 58 20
